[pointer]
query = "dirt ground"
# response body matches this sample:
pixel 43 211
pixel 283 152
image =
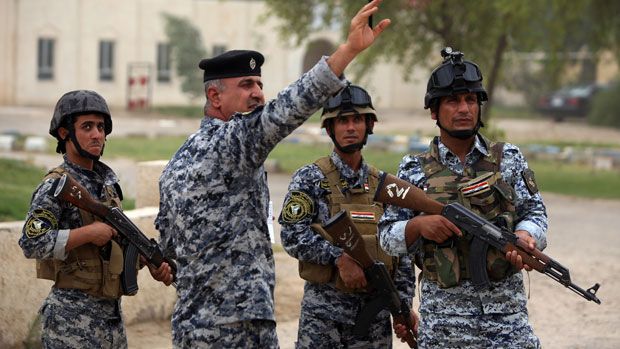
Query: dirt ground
pixel 583 237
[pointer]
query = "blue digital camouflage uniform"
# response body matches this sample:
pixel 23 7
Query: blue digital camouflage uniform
pixel 213 213
pixel 461 317
pixel 327 314
pixel 71 318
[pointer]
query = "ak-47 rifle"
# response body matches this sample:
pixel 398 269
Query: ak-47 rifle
pixel 346 236
pixel 67 189
pixel 395 191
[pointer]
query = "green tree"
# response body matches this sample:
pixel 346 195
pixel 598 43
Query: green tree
pixel 187 50
pixel 484 30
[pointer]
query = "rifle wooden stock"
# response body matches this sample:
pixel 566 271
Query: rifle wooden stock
pixel 67 189
pixel 395 191
pixel 345 235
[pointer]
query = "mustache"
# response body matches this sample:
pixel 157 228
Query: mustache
pixel 254 102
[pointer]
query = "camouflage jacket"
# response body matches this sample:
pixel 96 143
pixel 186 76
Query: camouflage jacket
pixel 301 242
pixel 508 295
pixel 214 206
pixel 47 226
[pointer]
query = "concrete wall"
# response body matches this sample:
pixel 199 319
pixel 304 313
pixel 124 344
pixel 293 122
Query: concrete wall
pixel 21 293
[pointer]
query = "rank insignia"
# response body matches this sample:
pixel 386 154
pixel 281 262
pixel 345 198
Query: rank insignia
pixel 298 206
pixel 40 222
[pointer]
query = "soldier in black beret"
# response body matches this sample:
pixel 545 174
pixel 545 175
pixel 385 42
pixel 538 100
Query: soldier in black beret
pixel 232 64
pixel 214 197
pixel 240 71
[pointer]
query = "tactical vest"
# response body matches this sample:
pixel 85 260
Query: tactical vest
pixel 90 268
pixel 364 212
pixel 481 189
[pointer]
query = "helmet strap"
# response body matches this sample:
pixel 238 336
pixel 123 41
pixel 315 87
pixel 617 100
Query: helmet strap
pixel 348 149
pixel 79 148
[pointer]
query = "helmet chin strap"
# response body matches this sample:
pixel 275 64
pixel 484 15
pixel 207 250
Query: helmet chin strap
pixel 347 149
pixel 81 151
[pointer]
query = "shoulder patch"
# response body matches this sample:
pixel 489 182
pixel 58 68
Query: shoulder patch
pixel 298 206
pixel 40 222
pixel 530 181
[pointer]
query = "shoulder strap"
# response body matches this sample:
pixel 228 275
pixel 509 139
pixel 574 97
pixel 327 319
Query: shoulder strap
pixel 326 165
pixel 55 173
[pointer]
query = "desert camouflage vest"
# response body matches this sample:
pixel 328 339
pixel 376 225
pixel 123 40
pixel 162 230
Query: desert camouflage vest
pixel 480 189
pixel 364 212
pixel 90 268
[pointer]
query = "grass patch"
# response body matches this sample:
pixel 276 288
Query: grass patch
pixel 143 148
pixel 18 181
pixel 576 180
pixel 183 111
pixel 514 112
pixel 575 144
pixel 291 156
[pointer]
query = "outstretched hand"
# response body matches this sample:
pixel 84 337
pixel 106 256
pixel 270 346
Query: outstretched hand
pixel 361 35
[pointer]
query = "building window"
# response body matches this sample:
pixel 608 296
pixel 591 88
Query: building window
pixel 106 60
pixel 163 62
pixel 45 59
pixel 218 49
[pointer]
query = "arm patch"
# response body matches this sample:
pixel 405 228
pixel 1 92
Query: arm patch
pixel 530 181
pixel 298 206
pixel 40 222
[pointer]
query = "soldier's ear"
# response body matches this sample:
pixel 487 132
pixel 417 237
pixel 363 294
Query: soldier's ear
pixel 63 133
pixel 213 95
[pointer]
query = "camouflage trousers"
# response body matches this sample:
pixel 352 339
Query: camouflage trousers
pixel 64 328
pixel 476 331
pixel 254 334
pixel 316 333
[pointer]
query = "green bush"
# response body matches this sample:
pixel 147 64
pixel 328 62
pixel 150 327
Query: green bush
pixel 606 107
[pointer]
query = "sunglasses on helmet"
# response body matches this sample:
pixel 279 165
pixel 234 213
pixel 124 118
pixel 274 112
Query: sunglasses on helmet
pixel 350 96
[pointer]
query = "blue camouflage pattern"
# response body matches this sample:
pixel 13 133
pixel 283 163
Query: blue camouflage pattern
pixel 328 314
pixel 246 334
pixel 463 302
pixel 214 206
pixel 72 318
pixel 319 332
pixel 502 331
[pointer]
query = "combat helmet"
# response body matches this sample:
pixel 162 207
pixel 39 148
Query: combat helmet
pixel 350 100
pixel 75 103
pixel 79 102
pixel 453 76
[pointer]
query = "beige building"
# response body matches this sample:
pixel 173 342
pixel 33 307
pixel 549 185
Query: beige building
pixel 119 48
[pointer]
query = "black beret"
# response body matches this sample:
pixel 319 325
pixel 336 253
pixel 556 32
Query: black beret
pixel 232 64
